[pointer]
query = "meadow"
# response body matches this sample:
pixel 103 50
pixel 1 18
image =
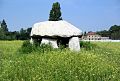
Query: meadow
pixel 101 63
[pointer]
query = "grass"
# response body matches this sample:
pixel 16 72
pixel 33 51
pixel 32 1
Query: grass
pixel 99 64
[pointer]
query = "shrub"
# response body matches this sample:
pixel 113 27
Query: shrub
pixel 44 48
pixel 26 47
pixel 61 47
pixel 87 45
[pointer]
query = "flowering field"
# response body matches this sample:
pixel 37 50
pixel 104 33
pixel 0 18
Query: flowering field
pixel 99 64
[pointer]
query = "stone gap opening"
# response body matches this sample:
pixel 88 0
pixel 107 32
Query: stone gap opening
pixel 37 40
pixel 63 42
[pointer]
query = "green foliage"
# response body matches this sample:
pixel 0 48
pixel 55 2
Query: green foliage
pixel 3 30
pixel 61 47
pixel 2 34
pixel 24 34
pixel 85 34
pixel 27 47
pixel 113 32
pixel 100 64
pixel 44 48
pixel 55 13
pixel 87 45
pixel 4 26
pixel 104 33
pixel 114 29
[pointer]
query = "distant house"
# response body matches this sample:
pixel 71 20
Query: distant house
pixel 56 33
pixel 93 36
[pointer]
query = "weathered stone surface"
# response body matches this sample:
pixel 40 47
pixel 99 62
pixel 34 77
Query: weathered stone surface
pixel 49 29
pixel 74 44
pixel 49 41
pixel 55 28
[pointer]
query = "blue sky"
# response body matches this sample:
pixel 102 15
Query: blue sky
pixel 87 15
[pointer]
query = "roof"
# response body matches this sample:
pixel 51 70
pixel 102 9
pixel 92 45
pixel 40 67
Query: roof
pixel 55 28
pixel 91 33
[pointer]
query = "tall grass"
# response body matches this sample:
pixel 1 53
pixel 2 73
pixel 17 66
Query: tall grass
pixel 98 64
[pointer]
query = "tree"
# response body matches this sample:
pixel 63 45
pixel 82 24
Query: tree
pixel 114 28
pixel 112 33
pixel 2 34
pixel 85 34
pixel 28 32
pixel 4 26
pixel 104 33
pixel 115 32
pixel 24 34
pixel 55 13
pixel 3 30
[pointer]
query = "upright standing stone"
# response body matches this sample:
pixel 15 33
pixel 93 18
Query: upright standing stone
pixel 74 44
pixel 31 40
pixel 49 41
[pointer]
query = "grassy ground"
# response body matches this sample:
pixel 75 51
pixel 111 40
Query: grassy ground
pixel 99 64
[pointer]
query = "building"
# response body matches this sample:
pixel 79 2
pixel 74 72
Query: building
pixel 94 36
pixel 56 33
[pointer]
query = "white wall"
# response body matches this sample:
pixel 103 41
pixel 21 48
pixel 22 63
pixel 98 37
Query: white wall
pixel 102 40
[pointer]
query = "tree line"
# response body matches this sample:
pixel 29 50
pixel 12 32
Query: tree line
pixel 113 32
pixel 5 34
pixel 55 15
pixel 24 34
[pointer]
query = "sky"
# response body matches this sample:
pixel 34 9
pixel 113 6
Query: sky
pixel 87 15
